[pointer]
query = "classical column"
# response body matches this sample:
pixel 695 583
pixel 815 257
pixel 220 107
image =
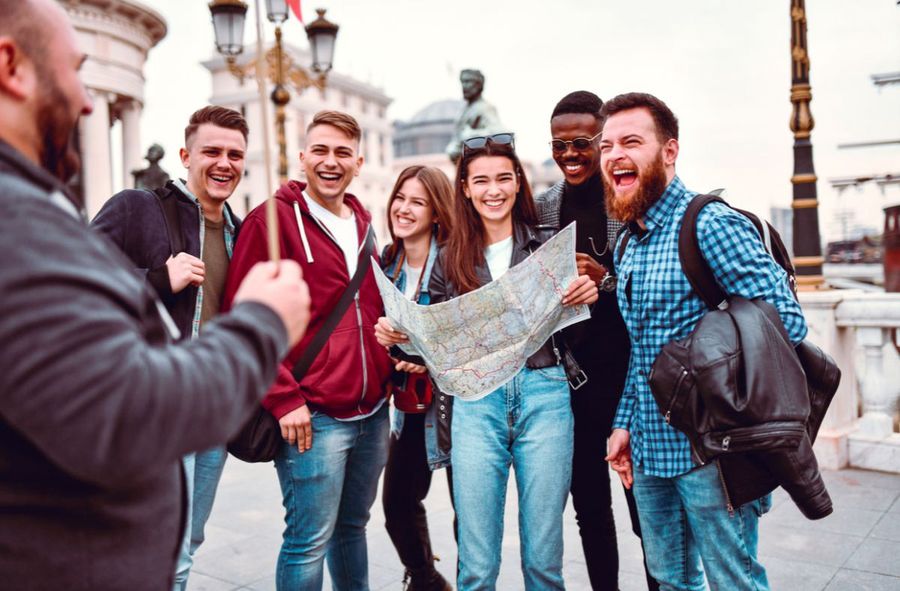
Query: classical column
pixel 807 244
pixel 131 141
pixel 96 155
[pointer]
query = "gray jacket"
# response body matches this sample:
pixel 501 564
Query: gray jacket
pixel 549 204
pixel 97 406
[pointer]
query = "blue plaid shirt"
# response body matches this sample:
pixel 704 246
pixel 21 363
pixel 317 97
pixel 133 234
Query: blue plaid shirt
pixel 659 306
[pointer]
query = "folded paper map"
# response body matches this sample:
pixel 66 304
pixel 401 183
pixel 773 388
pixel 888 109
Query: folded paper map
pixel 475 343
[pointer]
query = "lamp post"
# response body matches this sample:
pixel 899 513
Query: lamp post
pixel 228 18
pixel 807 243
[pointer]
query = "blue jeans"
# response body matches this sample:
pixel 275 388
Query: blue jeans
pixel 202 473
pixel 527 424
pixel 685 521
pixel 327 493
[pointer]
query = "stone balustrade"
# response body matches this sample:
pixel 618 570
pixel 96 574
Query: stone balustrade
pixel 860 330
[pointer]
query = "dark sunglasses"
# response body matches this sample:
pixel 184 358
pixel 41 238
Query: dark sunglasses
pixel 501 139
pixel 579 143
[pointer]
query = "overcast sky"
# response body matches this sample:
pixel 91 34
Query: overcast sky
pixel 722 66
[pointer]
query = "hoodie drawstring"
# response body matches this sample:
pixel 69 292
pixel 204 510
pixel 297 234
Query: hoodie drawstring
pixel 309 256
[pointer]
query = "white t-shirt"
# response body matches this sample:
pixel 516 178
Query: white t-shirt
pixel 343 230
pixel 499 256
pixel 413 274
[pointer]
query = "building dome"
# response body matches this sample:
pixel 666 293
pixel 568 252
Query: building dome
pixel 429 131
pixel 439 112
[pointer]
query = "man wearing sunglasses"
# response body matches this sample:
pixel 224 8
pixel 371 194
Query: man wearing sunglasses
pixel 478 118
pixel 600 345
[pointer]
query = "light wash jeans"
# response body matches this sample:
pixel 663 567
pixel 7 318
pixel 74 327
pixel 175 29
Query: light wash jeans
pixel 685 521
pixel 527 424
pixel 327 492
pixel 202 473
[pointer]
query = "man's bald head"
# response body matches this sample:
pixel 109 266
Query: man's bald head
pixel 25 21
pixel 41 93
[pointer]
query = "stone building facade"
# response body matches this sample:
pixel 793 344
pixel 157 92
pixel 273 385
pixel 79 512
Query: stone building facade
pixel 116 35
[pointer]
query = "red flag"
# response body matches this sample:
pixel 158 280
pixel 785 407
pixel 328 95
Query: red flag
pixel 295 6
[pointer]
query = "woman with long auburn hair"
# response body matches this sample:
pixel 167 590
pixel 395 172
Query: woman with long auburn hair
pixel 527 423
pixel 420 216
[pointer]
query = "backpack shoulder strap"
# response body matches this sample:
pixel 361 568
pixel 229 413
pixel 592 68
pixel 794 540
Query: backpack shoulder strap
pixel 169 205
pixel 775 247
pixel 695 268
pixel 625 233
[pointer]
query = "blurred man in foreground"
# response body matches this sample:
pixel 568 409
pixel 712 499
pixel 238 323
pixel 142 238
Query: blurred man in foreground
pixel 96 405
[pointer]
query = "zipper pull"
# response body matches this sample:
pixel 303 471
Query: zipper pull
pixel 726 442
pixel 668 417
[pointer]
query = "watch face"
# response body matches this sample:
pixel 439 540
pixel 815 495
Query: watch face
pixel 608 283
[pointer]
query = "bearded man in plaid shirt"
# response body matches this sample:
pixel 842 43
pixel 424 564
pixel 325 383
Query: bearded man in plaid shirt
pixel 685 515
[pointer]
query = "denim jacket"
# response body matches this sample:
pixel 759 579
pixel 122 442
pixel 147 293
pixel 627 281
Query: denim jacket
pixel 436 451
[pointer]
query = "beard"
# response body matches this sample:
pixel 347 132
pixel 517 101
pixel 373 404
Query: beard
pixel 651 184
pixel 59 154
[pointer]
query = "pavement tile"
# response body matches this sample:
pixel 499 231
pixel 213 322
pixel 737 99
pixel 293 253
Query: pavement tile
pixel 888 528
pixel 844 520
pixel 244 535
pixel 851 494
pixel 866 478
pixel 631 557
pixel 895 509
pixel 575 575
pixel 632 582
pixel 265 584
pixel 242 563
pixel 217 537
pixel 794 575
pixel 854 580
pixel 200 582
pixel 819 547
pixel 877 556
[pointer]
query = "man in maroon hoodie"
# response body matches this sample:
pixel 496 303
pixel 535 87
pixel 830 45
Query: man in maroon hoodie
pixel 334 420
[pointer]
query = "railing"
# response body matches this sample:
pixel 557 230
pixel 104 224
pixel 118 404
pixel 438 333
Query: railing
pixel 860 330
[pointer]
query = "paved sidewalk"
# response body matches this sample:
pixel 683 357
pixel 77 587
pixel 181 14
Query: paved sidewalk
pixel 856 548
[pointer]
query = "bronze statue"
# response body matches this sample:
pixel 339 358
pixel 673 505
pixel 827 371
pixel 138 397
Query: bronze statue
pixel 478 118
pixel 152 177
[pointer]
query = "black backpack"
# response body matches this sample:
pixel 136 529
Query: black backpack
pixel 698 272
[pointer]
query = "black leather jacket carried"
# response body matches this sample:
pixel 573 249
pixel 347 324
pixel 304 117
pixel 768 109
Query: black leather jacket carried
pixel 746 398
pixel 525 240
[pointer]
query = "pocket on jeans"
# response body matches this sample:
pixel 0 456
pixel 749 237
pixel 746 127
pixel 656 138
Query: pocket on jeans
pixel 553 372
pixel 763 504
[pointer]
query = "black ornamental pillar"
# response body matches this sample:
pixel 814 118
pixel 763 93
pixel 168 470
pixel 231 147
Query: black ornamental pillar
pixel 807 243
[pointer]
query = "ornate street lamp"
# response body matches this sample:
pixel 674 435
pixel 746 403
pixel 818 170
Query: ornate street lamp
pixel 228 21
pixel 807 243
pixel 322 33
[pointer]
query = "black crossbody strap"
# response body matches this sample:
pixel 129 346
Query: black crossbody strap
pixel 318 341
pixel 169 204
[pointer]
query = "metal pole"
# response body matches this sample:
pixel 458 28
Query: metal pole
pixel 271 211
pixel 280 97
pixel 807 243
